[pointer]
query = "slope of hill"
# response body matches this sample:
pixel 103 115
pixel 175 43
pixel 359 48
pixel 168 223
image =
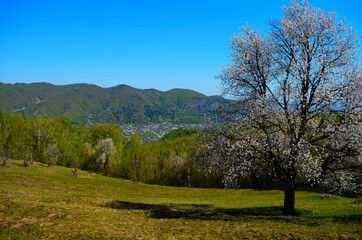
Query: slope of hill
pixel 90 104
pixel 43 202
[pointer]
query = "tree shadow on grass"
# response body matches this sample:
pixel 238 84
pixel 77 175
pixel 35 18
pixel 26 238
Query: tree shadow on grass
pixel 350 218
pixel 207 212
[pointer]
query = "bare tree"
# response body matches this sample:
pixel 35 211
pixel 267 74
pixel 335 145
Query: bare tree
pixel 44 132
pixel 52 154
pixel 179 168
pixel 31 158
pixel 298 103
pixel 106 150
pixel 26 159
pixel 133 147
pixel 88 151
pixel 4 155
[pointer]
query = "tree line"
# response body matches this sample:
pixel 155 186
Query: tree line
pixel 215 157
pixel 172 160
pixel 101 149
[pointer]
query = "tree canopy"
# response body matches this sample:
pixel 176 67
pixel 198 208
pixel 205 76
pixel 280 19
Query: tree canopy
pixel 298 103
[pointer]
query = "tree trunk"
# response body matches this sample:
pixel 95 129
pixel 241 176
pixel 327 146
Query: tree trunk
pixel 289 197
pixel 31 159
pixel 135 165
pixel 106 167
pixel 4 161
pixel 188 177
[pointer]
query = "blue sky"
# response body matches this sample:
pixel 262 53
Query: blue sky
pixel 145 44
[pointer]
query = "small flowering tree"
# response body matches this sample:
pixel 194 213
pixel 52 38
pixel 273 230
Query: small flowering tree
pixel 297 113
pixel 105 150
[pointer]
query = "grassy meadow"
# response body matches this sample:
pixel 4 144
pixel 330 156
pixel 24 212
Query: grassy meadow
pixel 49 203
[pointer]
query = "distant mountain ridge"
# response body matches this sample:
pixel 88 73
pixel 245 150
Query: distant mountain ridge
pixel 91 104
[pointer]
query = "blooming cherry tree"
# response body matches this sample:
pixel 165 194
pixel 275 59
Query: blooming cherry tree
pixel 105 150
pixel 297 112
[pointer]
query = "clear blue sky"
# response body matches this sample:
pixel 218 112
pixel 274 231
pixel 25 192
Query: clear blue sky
pixel 145 44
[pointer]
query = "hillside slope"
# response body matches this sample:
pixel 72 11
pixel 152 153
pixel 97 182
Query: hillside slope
pixel 90 104
pixel 43 202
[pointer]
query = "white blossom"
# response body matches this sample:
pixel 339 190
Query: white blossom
pixel 297 108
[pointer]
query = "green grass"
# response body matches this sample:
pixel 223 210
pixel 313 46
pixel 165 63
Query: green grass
pixel 47 202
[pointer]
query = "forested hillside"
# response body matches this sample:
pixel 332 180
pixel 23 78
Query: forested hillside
pixel 90 104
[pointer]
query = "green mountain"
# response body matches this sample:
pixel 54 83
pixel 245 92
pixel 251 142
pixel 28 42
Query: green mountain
pixel 90 104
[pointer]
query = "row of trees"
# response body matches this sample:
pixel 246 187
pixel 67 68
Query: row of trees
pixel 101 149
